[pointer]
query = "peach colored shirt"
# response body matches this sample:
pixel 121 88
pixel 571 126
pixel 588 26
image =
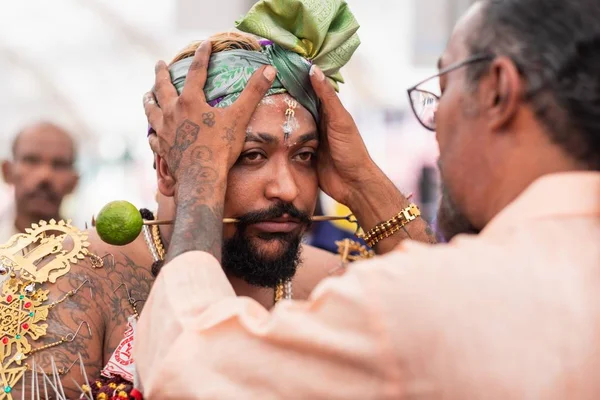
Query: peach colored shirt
pixel 513 313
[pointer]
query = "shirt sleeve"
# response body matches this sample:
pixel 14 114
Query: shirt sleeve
pixel 196 339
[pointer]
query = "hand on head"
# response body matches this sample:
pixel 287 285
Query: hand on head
pixel 189 132
pixel 344 162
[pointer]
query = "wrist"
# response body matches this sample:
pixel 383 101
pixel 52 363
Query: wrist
pixel 376 199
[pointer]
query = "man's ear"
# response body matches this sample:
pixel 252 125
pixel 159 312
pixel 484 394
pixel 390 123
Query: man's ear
pixel 504 91
pixel 7 173
pixel 166 182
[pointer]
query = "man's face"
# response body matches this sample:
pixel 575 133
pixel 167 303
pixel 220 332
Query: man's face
pixel 273 189
pixel 461 134
pixel 42 170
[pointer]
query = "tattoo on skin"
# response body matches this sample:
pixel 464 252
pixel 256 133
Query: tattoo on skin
pixel 104 310
pixel 202 154
pixel 430 234
pixel 202 174
pixel 197 227
pixel 208 119
pixel 186 134
pixel 198 224
pixel 229 135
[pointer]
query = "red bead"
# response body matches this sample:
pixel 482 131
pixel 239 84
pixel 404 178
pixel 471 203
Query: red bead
pixel 5 340
pixel 25 326
pixel 9 298
pixel 28 304
pixel 136 394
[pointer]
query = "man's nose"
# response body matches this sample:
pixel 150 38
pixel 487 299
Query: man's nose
pixel 282 186
pixel 43 174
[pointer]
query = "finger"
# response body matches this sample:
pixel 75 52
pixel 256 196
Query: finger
pixel 158 145
pixel 330 102
pixel 254 92
pixel 196 76
pixel 154 143
pixel 163 88
pixel 153 112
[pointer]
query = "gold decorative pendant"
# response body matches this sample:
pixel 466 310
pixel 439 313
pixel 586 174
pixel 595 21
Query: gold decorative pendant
pixel 351 250
pixel 21 312
pixel 9 377
pixel 45 252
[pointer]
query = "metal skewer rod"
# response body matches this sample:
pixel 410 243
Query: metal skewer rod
pixel 316 218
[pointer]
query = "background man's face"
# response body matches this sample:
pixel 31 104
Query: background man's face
pixel 42 170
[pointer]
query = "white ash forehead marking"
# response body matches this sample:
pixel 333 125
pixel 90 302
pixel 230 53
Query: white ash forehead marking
pixel 267 100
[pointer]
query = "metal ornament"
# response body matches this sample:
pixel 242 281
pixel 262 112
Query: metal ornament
pixel 20 317
pixel 45 252
pixel 9 377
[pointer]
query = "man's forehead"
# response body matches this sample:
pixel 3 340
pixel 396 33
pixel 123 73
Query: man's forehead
pixel 44 140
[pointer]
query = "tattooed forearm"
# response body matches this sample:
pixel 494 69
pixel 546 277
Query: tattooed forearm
pixel 199 217
pixel 197 227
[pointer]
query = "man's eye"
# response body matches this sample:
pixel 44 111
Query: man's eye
pixel 31 160
pixel 252 157
pixel 305 156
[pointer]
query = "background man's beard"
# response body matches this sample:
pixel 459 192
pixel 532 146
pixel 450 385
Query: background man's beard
pixel 450 221
pixel 245 260
pixel 242 259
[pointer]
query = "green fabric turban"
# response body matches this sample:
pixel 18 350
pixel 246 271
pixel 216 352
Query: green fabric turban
pixel 298 33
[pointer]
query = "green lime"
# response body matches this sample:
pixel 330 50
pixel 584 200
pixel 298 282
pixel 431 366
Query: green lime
pixel 119 223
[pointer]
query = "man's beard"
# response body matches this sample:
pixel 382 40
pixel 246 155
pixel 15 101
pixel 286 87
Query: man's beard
pixel 243 259
pixel 450 220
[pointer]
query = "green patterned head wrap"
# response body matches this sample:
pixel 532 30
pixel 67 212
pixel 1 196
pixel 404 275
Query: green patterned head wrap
pixel 298 33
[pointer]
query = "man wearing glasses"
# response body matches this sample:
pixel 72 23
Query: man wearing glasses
pixel 508 313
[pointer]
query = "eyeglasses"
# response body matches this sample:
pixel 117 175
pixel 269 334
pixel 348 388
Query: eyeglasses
pixel 424 103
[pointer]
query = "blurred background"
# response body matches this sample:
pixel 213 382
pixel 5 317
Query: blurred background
pixel 85 64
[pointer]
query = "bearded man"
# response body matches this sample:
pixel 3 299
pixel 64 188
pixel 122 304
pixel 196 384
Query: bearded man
pixel 508 313
pixel 272 192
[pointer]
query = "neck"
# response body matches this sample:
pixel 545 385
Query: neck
pixel 262 295
pixel 242 288
pixel 523 172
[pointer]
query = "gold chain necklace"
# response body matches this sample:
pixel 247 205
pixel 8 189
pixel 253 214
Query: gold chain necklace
pixel 283 290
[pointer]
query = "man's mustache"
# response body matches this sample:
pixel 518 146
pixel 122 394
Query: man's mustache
pixel 44 190
pixel 276 211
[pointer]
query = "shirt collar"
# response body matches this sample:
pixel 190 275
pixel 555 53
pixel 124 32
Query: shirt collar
pixel 554 195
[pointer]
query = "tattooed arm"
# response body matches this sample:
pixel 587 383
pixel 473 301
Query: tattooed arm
pixel 79 318
pixel 100 304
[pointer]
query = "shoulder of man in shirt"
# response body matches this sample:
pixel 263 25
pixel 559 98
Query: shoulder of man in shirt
pixel 493 306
